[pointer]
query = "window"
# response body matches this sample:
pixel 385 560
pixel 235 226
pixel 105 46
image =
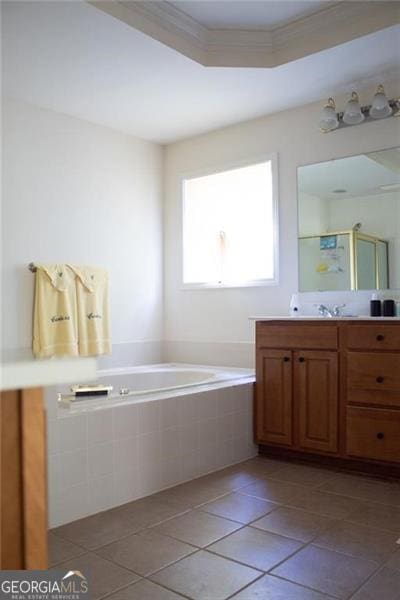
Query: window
pixel 230 227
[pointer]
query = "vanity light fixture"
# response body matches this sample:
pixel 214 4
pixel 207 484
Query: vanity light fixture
pixel 354 114
pixel 380 108
pixel 329 119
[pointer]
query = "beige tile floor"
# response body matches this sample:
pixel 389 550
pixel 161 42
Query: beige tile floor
pixel 261 530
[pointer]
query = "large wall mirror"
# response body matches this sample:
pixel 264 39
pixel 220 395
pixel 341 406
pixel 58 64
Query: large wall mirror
pixel 349 223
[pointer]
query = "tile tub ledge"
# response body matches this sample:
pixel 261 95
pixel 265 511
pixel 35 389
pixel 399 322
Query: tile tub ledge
pixel 41 373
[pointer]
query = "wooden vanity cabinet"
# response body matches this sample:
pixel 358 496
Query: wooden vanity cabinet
pixel 372 390
pixel 373 433
pixel 330 389
pixel 274 414
pixel 297 386
pixel 316 399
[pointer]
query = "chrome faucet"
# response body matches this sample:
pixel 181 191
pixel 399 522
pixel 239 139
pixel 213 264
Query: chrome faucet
pixel 324 311
pixel 336 310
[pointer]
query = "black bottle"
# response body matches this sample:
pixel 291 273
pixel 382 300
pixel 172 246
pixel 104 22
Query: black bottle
pixel 389 308
pixel 375 308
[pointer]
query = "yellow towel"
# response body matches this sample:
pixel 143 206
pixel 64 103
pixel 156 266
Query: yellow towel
pixel 92 310
pixel 55 331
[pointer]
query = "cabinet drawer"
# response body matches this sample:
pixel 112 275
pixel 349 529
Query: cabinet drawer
pixel 296 336
pixel 373 433
pixel 378 372
pixel 373 337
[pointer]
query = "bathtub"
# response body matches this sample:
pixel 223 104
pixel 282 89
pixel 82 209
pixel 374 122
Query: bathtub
pixel 152 381
pixel 177 422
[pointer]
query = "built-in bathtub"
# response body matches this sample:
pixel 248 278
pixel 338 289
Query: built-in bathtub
pixel 149 382
pixel 170 424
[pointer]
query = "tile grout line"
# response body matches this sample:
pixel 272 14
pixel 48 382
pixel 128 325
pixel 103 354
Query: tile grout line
pixel 119 589
pixel 245 587
pixel 365 582
pixel 270 572
pixel 319 487
pixel 148 575
pixel 304 587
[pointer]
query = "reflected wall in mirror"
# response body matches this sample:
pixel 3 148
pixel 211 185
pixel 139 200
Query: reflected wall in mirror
pixel 349 223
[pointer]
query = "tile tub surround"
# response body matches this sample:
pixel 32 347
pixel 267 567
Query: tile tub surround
pixel 235 545
pixel 107 457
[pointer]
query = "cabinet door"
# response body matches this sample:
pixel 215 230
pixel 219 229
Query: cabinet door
pixel 274 397
pixel 23 497
pixel 316 399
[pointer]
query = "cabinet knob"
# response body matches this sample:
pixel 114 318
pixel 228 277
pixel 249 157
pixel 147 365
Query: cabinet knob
pixel 302 359
pixel 380 435
pixel 379 380
pixel 380 338
pixel 286 359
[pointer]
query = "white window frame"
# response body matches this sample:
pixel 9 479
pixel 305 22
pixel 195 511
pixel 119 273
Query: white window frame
pixel 231 166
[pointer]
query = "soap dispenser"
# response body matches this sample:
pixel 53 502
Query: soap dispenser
pixel 294 307
pixel 375 306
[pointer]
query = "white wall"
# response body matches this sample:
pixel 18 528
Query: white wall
pixel 212 326
pixel 74 191
pixel 313 215
pixel 376 213
pixel 379 215
pixel 80 193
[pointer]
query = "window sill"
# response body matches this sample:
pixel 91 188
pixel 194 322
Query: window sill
pixel 229 286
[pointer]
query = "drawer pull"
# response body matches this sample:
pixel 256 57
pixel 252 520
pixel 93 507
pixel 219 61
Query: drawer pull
pixel 379 380
pixel 286 359
pixel 302 359
pixel 380 338
pixel 380 435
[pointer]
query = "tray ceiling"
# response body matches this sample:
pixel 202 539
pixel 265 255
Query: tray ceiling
pixel 248 14
pixel 72 58
pixel 300 34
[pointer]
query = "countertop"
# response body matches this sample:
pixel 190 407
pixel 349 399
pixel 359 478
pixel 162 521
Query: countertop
pixel 40 373
pixel 318 318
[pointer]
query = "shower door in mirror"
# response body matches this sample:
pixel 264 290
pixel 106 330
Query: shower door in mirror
pixel 349 223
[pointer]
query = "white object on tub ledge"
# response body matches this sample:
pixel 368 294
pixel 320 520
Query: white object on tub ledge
pixel 149 382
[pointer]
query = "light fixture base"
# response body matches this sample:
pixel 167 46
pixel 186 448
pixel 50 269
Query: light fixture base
pixel 394 105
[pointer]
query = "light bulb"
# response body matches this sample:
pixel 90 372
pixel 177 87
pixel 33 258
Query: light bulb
pixel 329 120
pixel 380 107
pixel 352 114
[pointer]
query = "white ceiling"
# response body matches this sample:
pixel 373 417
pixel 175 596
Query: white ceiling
pixel 248 14
pixel 72 58
pixel 360 175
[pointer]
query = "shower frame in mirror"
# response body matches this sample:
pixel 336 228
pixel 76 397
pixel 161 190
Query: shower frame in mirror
pixel 384 258
pixel 354 237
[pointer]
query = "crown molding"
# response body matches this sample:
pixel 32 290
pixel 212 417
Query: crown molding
pixel 333 25
pixel 162 22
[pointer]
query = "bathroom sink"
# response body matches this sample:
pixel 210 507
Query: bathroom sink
pixel 326 317
pixel 337 317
